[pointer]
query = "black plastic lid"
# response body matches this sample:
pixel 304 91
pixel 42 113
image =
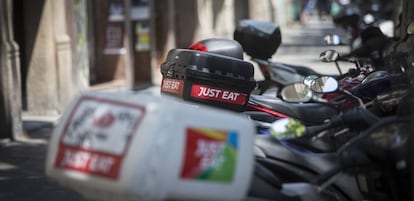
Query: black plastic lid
pixel 184 59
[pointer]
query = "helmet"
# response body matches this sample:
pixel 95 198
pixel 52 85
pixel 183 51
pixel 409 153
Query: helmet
pixel 259 39
pixel 371 32
pixel 222 46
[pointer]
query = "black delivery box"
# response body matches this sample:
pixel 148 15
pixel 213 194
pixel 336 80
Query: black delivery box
pixel 259 39
pixel 208 78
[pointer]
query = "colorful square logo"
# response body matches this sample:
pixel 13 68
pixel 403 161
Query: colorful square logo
pixel 210 155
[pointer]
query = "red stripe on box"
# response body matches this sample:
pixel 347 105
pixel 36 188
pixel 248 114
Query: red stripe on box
pixel 95 163
pixel 218 94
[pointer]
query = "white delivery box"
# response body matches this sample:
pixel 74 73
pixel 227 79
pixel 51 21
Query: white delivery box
pixel 137 146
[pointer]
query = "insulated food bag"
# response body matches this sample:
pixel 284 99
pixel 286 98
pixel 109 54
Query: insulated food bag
pixel 138 146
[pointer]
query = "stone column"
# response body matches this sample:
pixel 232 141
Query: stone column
pixel 66 80
pixel 42 75
pixel 163 34
pixel 50 77
pixel 215 19
pixel 262 10
pixel 10 85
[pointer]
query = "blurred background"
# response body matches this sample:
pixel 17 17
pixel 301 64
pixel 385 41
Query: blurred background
pixel 53 49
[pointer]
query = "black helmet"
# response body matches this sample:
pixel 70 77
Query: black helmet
pixel 259 39
pixel 371 32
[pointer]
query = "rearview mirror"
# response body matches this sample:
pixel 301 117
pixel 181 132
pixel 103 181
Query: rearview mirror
pixel 368 19
pixel 309 79
pixel 329 56
pixel 287 128
pixel 332 39
pixel 296 93
pixel 325 84
pixel 410 28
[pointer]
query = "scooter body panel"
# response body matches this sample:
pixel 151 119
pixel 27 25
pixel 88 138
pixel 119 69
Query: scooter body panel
pixel 297 160
pixel 311 113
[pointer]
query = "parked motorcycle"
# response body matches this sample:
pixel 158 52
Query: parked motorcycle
pixel 261 39
pixel 266 109
pixel 371 50
pixel 354 168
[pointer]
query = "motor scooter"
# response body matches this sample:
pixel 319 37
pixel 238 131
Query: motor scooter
pixel 270 108
pixel 262 108
pixel 295 152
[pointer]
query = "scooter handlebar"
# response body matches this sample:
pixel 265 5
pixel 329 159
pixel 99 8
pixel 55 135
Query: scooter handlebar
pixel 357 118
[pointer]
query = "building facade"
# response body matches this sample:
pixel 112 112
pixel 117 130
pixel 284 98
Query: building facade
pixel 53 49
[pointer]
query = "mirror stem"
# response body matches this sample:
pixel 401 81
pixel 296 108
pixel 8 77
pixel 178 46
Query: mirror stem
pixel 361 103
pixel 324 185
pixel 337 66
pixel 357 64
pixel 327 178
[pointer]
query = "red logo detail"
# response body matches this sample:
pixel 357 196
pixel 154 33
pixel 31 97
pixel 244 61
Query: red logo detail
pixel 172 85
pixel 104 121
pixel 102 164
pixel 218 94
pixel 100 157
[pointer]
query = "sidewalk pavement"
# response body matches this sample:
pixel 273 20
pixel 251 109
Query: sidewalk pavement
pixel 302 45
pixel 22 164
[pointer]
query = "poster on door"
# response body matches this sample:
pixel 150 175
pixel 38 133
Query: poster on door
pixel 140 10
pixel 114 38
pixel 142 36
pixel 116 10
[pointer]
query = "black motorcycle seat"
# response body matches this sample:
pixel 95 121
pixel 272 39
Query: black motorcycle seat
pixel 309 113
pixel 302 70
